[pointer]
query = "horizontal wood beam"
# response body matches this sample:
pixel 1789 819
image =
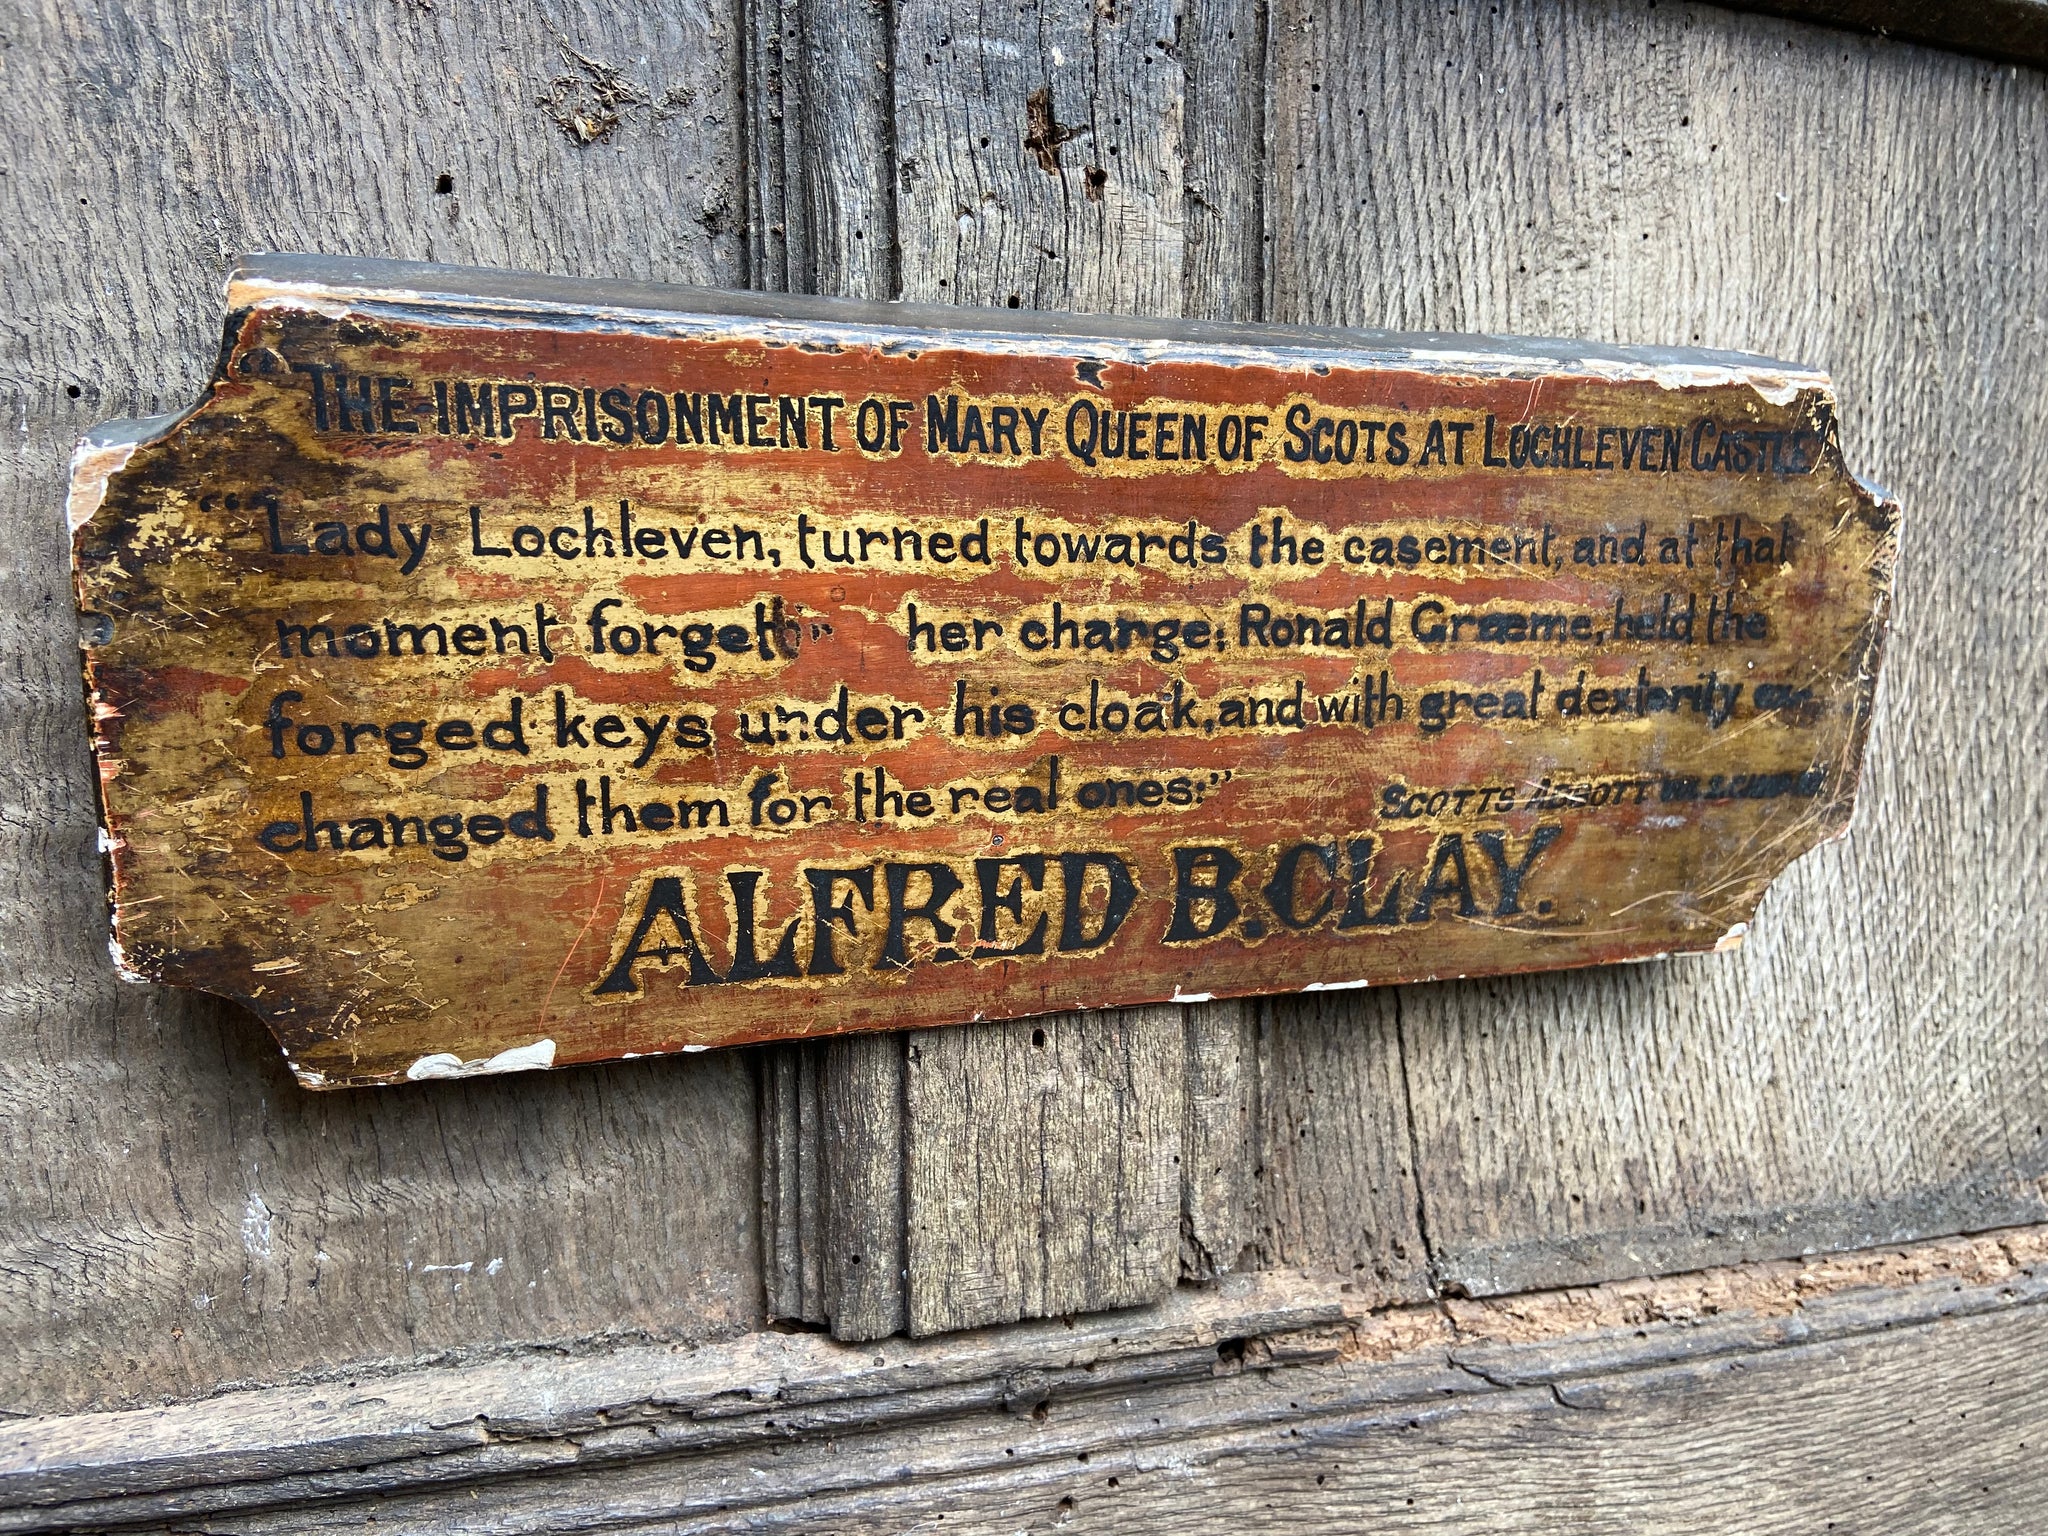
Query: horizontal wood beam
pixel 1261 1392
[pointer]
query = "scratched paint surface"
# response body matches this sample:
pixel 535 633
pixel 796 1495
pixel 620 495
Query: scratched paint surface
pixel 496 673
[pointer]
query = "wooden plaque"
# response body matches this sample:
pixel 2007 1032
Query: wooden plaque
pixel 498 672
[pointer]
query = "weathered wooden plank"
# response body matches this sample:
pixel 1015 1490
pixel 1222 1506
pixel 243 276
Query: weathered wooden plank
pixel 863 1236
pixel 821 210
pixel 1221 47
pixel 1339 1182
pixel 1040 156
pixel 796 1192
pixel 822 219
pixel 409 1423
pixel 1039 165
pixel 1219 1139
pixel 849 134
pixel 1886 1431
pixel 1636 1406
pixel 1869 1066
pixel 1042 1166
pixel 177 1214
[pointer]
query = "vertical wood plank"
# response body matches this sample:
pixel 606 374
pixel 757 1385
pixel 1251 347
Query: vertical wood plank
pixel 989 164
pixel 1867 1068
pixel 179 1214
pixel 1222 49
pixel 771 44
pixel 1221 46
pixel 821 215
pixel 822 220
pixel 1339 1186
pixel 1221 1134
pixel 792 1181
pixel 866 1263
pixel 1042 1166
pixel 1041 166
pixel 849 149
pixel 1040 155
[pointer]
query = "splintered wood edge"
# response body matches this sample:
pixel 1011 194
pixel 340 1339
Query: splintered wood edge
pixel 1297 1337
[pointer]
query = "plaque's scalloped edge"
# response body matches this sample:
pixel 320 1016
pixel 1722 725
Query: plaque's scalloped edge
pixel 338 287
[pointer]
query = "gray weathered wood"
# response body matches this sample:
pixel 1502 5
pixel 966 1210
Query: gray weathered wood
pixel 1042 1166
pixel 822 220
pixel 1560 1133
pixel 795 1192
pixel 1221 45
pixel 1869 1066
pixel 175 1214
pixel 437 1425
pixel 1340 1184
pixel 867 1265
pixel 821 215
pixel 1899 1387
pixel 1040 156
pixel 1219 1139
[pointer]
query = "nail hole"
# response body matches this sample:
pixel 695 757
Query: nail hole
pixel 443 184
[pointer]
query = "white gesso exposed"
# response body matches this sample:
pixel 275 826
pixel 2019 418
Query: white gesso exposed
pixel 520 1058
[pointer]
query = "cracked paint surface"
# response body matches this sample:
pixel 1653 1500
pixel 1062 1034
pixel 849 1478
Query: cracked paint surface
pixel 815 629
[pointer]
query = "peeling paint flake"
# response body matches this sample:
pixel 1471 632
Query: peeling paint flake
pixel 521 1058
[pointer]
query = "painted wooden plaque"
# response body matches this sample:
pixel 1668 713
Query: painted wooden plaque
pixel 496 672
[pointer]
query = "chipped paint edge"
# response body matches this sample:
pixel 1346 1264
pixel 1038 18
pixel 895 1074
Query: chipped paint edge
pixel 329 286
pixel 536 1057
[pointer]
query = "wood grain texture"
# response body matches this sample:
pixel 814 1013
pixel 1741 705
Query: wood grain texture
pixel 176 1214
pixel 1868 1067
pixel 822 219
pixel 821 214
pixel 987 164
pixel 1890 1389
pixel 796 1192
pixel 1042 1166
pixel 1599 1125
pixel 1340 1187
pixel 1219 1138
pixel 1221 46
pixel 1073 203
pixel 867 1266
